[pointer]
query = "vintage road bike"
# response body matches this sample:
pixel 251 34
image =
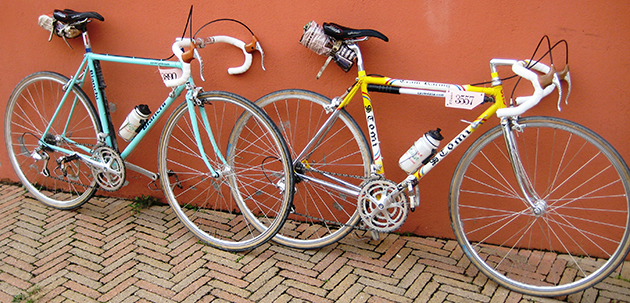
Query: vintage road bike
pixel 528 189
pixel 63 149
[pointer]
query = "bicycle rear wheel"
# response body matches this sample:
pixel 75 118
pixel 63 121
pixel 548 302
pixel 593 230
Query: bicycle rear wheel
pixel 321 214
pixel 29 112
pixel 252 172
pixel 582 234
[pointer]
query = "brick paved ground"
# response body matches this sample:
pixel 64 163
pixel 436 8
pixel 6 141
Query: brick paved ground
pixel 102 252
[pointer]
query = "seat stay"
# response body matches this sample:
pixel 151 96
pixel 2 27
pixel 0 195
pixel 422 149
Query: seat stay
pixel 68 88
pixel 323 130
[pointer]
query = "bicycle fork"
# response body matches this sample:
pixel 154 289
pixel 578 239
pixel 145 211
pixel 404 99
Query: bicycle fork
pixel 193 102
pixel 510 126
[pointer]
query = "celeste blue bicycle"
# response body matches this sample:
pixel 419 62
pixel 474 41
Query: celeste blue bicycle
pixel 217 172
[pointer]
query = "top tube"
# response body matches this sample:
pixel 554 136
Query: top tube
pixel 134 60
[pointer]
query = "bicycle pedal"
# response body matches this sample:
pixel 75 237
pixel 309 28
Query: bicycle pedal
pixel 375 234
pixel 153 186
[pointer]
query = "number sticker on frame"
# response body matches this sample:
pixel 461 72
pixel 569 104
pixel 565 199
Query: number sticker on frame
pixel 170 73
pixel 463 99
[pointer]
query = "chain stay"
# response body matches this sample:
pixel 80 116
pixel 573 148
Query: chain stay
pixel 101 143
pixel 335 174
pixel 326 220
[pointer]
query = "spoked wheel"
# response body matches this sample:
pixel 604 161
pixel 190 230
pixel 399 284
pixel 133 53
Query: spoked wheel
pixel 249 182
pixel 577 233
pixel 322 214
pixel 29 113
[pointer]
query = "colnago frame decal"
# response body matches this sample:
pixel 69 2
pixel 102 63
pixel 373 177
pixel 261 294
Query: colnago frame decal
pixel 423 85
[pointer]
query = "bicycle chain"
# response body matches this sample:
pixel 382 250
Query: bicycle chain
pixel 71 182
pixel 93 147
pixel 336 174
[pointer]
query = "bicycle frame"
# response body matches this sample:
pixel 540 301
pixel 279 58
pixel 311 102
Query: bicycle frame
pixel 91 64
pixel 366 83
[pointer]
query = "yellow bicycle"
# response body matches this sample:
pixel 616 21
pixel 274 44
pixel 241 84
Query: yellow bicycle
pixel 538 204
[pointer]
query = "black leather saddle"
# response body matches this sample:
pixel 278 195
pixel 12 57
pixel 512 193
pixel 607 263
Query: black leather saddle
pixel 70 16
pixel 341 32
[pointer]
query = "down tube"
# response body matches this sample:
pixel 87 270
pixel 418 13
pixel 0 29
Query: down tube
pixel 151 122
pixel 461 137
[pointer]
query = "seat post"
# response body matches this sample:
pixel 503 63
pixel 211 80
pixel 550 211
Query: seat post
pixel 357 51
pixel 86 42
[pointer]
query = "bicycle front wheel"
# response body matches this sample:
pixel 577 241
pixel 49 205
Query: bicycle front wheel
pixel 29 112
pixel 579 235
pixel 249 176
pixel 322 214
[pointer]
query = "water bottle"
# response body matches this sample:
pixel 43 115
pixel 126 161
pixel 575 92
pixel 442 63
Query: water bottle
pixel 134 120
pixel 420 151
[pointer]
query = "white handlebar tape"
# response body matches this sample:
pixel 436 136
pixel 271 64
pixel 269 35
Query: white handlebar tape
pixel 177 51
pixel 526 103
pixel 240 44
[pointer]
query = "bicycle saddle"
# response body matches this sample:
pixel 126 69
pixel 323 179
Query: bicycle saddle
pixel 70 16
pixel 341 32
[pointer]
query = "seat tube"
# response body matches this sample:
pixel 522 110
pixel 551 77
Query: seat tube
pixel 517 166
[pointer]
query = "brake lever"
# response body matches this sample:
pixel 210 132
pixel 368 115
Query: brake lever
pixel 557 77
pixel 262 55
pixel 556 82
pixel 565 74
pixel 254 45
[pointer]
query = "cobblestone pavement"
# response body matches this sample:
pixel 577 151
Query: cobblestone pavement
pixel 102 252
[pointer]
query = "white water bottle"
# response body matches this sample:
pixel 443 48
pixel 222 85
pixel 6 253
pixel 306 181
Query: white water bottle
pixel 420 151
pixel 136 117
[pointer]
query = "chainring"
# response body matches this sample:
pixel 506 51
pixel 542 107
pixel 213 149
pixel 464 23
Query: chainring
pixel 375 212
pixel 111 176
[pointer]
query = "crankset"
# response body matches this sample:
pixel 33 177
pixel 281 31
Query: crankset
pixel 110 171
pixel 381 206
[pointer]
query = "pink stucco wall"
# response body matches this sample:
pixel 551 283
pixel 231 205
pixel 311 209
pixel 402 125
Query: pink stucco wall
pixel 441 41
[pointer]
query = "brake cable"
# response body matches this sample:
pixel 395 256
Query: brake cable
pixel 189 26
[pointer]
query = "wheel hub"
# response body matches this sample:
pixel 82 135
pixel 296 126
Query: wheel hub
pixel 540 208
